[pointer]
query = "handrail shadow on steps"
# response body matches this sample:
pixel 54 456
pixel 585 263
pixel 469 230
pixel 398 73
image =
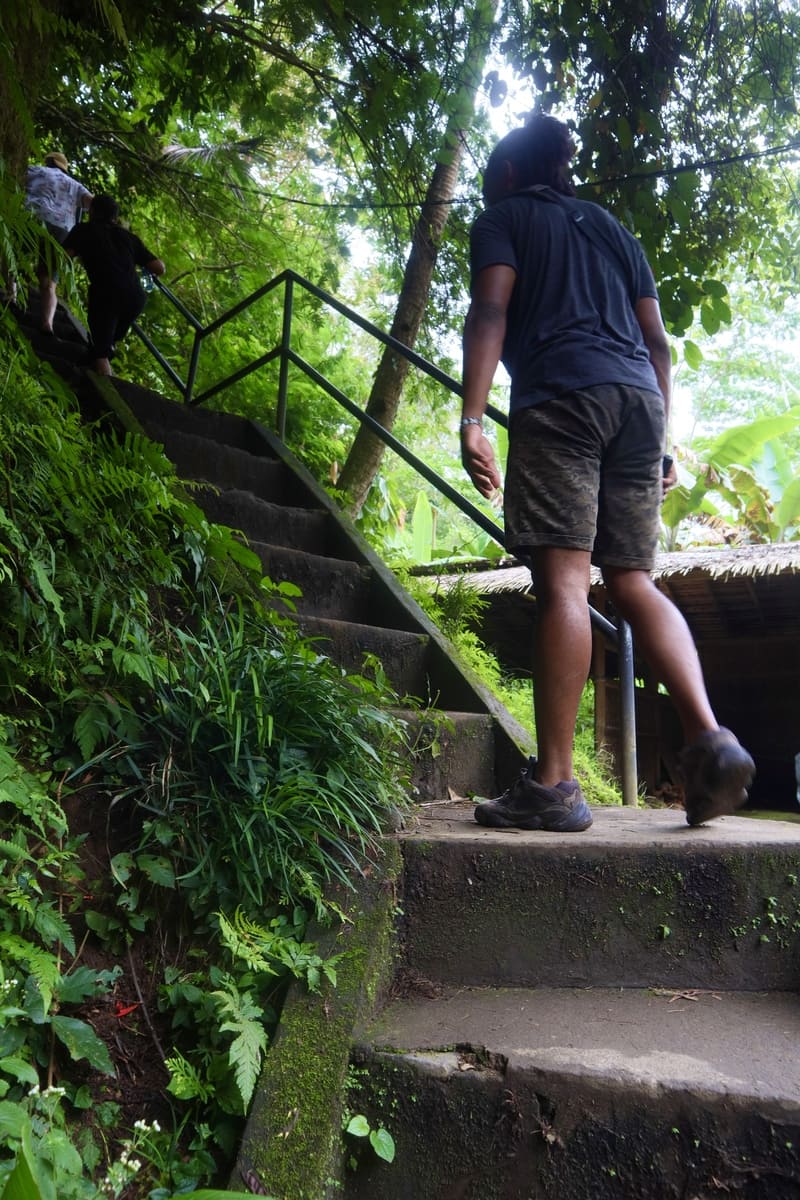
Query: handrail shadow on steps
pixel 619 635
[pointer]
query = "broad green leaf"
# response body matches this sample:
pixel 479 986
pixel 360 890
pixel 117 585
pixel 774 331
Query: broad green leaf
pixel 692 353
pixel 121 867
pixel 714 287
pixel 82 1042
pixel 13 1120
pixel 788 510
pixel 687 183
pixel 382 1143
pixel 358 1126
pixel 22 1184
pixel 157 868
pixel 722 310
pixel 20 1069
pixel 741 443
pixel 216 1194
pixel 709 319
pixel 624 133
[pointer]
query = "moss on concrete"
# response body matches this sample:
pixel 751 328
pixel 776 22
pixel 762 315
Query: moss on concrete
pixel 635 917
pixel 495 1133
pixel 292 1142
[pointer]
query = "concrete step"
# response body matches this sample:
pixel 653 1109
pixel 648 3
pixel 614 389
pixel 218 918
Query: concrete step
pixel 403 655
pixel 453 755
pixel 330 587
pixel 69 331
pixel 55 348
pixel 197 457
pixel 309 529
pixel 638 900
pixel 155 411
pixel 562 1094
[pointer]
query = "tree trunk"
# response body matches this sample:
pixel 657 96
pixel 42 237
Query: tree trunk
pixel 25 41
pixel 366 453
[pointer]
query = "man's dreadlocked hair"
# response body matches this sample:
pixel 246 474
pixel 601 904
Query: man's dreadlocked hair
pixel 540 152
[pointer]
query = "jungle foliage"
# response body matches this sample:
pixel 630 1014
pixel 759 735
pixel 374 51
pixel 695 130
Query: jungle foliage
pixel 242 138
pixel 245 137
pixel 149 685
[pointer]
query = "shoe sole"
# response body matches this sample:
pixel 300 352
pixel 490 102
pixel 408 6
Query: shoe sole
pixel 497 817
pixel 726 798
pixel 722 802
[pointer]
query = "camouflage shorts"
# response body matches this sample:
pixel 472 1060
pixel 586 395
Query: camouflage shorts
pixel 584 473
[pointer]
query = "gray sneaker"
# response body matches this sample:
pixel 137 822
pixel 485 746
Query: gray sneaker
pixel 530 805
pixel 716 772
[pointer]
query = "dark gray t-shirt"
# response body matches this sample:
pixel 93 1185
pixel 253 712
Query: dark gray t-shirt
pixel 571 320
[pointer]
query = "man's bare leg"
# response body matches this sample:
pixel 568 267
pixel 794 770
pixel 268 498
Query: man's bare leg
pixel 664 640
pixel 716 770
pixel 48 302
pixel 562 656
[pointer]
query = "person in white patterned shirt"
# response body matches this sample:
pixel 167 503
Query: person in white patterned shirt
pixel 56 199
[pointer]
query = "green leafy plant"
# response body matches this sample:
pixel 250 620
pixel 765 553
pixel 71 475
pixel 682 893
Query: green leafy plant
pixel 140 653
pixel 230 1022
pixel 732 486
pixel 34 935
pixel 380 1139
pixel 256 741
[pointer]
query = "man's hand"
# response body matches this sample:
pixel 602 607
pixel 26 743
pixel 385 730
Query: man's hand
pixel 478 458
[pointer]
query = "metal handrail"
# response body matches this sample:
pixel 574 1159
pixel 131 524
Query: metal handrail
pixel 619 636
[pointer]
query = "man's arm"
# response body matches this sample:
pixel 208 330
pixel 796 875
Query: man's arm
pixel 484 332
pixel 648 314
pixel 145 258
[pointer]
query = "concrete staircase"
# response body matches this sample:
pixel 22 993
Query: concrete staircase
pixel 605 1014
pixel 611 1014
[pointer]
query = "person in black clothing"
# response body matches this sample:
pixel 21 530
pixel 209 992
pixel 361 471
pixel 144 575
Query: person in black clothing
pixel 110 255
pixel 564 295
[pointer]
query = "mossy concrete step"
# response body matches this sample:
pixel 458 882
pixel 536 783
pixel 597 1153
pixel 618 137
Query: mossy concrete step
pixel 581 1094
pixel 454 754
pixel 309 529
pixel 638 900
pixel 403 655
pixel 330 587
pixel 155 411
pixel 199 458
pixel 59 350
pixel 70 333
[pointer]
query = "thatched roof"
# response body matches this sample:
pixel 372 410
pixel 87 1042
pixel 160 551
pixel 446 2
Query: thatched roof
pixel 722 592
pixel 753 562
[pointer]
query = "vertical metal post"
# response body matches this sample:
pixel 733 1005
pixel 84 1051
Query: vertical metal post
pixel 192 373
pixel 286 342
pixel 627 695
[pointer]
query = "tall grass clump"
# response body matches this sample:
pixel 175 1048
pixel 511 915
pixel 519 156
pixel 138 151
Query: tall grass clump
pixel 264 770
